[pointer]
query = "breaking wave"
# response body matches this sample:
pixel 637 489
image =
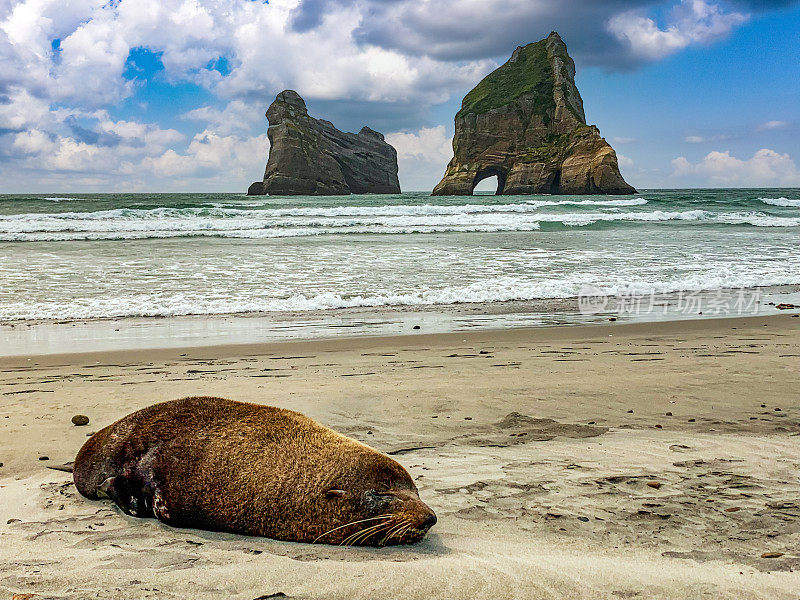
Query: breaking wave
pixel 131 224
pixel 499 289
pixel 785 202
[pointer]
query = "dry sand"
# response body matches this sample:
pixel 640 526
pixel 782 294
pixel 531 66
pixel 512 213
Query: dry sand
pixel 535 448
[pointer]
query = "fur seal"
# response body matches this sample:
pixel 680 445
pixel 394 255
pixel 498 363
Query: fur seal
pixel 216 464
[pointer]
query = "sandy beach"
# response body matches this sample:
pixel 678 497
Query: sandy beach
pixel 645 460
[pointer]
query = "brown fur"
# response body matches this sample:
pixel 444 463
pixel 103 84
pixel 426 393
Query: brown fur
pixel 216 464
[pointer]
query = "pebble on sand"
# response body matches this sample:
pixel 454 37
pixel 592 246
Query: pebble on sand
pixel 80 420
pixel 654 484
pixel 772 555
pixel 44 458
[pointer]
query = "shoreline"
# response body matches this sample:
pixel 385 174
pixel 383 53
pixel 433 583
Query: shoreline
pixel 563 333
pixel 29 338
pixel 555 305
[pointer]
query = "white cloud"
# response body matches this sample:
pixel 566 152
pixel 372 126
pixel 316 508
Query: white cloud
pixel 692 22
pixel 765 168
pixel 422 156
pixel 71 155
pixel 429 143
pixel 769 125
pixel 624 161
pixel 50 149
pixel 96 38
pixel 23 110
pixel 699 139
pixel 326 62
pixel 211 155
pixel 236 117
pixel 33 141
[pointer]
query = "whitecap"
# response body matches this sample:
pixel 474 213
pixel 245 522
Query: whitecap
pixel 786 202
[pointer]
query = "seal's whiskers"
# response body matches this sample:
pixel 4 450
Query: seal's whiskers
pixel 348 541
pixel 393 530
pixel 362 536
pixel 402 534
pixel 348 525
pixel 352 539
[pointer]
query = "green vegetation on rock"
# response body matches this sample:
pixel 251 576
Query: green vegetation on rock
pixel 555 145
pixel 530 72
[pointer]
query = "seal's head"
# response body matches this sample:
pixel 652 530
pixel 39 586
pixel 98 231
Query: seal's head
pixel 374 503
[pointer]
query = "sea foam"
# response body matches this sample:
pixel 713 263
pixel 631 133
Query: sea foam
pixel 499 289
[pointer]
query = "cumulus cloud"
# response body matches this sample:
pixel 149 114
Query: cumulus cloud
pixel 209 153
pixel 236 117
pixel 429 143
pixel 77 51
pixel 691 22
pixel 719 169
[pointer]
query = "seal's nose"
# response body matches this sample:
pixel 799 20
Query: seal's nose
pixel 429 521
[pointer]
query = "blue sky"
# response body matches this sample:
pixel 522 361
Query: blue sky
pixel 169 95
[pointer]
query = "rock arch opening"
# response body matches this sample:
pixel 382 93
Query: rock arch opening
pixel 492 173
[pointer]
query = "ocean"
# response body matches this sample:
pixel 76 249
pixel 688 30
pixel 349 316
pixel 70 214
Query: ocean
pixel 89 256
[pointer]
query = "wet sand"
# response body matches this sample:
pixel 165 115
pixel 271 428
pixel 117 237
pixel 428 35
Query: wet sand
pixel 648 460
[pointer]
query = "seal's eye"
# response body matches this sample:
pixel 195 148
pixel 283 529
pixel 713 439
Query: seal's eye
pixel 335 493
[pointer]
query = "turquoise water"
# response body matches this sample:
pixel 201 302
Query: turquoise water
pixel 78 256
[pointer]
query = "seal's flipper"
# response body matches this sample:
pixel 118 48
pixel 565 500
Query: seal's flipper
pixel 66 467
pixel 160 509
pixel 106 489
pixel 127 495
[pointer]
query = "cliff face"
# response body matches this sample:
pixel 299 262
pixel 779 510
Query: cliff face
pixel 525 124
pixel 310 156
